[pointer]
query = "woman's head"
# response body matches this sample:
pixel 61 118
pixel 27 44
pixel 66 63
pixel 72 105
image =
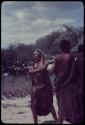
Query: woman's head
pixel 65 45
pixel 37 55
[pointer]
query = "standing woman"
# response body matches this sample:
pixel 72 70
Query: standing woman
pixel 41 97
pixel 67 85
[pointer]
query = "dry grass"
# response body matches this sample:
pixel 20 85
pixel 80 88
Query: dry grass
pixel 15 86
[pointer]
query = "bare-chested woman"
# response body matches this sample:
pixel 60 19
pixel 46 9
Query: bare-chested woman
pixel 42 97
pixel 66 85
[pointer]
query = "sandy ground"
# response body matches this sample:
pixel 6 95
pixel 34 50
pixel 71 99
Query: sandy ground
pixel 18 111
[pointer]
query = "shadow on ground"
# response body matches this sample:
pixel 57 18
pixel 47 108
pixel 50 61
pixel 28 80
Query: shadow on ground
pixel 49 122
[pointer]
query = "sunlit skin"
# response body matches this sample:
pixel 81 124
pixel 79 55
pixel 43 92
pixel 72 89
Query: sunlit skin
pixel 60 64
pixel 39 65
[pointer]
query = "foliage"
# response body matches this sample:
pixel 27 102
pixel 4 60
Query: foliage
pixel 16 58
pixel 50 44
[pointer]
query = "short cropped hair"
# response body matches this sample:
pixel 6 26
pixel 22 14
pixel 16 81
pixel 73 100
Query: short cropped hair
pixel 65 45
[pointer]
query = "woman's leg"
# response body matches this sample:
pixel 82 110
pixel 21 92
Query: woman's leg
pixel 50 102
pixel 34 107
pixel 35 116
pixel 53 112
pixel 59 119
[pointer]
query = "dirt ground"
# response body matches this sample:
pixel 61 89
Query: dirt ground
pixel 18 110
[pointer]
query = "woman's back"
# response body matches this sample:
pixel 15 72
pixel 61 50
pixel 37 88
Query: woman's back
pixel 61 63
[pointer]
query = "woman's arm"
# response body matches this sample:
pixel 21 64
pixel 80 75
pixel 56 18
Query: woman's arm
pixel 41 67
pixel 54 64
pixel 32 71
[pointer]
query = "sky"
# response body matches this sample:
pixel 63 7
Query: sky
pixel 25 22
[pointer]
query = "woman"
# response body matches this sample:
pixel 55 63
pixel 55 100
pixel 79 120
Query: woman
pixel 42 97
pixel 66 85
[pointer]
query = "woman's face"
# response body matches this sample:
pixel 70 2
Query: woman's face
pixel 37 56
